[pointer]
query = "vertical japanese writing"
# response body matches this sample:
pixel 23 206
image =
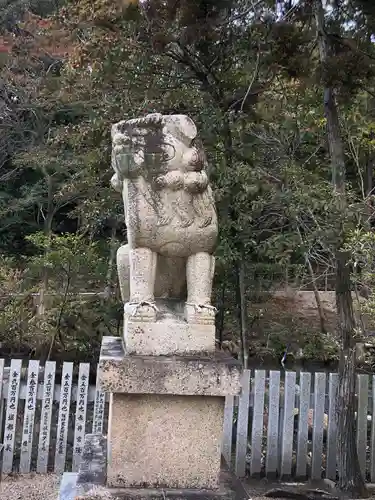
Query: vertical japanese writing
pixel 2 395
pixel 62 426
pixel 45 417
pixel 80 421
pixel 99 407
pixel 11 414
pixel 29 416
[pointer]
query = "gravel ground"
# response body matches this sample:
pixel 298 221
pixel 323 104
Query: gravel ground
pixel 46 487
pixel 30 487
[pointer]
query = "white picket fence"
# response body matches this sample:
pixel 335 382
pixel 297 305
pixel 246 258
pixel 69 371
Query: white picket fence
pixel 283 423
pixel 40 419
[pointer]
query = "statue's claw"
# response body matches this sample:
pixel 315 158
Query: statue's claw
pixel 201 307
pixel 163 220
pixel 206 222
pixel 186 222
pixel 143 303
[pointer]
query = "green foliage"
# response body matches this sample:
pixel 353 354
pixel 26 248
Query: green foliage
pixel 320 348
pixel 72 320
pixel 71 259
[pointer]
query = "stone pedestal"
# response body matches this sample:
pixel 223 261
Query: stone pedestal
pixel 165 429
pixel 166 417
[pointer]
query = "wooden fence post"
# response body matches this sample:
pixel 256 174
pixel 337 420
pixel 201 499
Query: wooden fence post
pixel 226 445
pixel 288 425
pixel 272 452
pixel 242 425
pixel 303 423
pixel 80 416
pixel 11 414
pixel 318 425
pixel 29 416
pixel 45 417
pixel 63 422
pixel 257 424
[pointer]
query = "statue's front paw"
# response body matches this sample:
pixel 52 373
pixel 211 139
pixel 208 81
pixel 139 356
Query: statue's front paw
pixel 195 182
pixel 173 180
pixel 141 311
pixel 116 183
pixel 122 161
pixel 127 164
pixel 200 314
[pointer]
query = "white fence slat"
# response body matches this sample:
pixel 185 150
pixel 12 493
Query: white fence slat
pixel 242 424
pixel 226 449
pixel 318 426
pixel 29 416
pixel 288 425
pixel 272 452
pixel 331 461
pixel 45 417
pixel 362 410
pixel 80 416
pixel 303 424
pixel 63 422
pixel 99 406
pixel 257 425
pixel 2 396
pixel 11 414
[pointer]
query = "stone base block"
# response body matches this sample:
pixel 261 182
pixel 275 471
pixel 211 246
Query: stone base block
pixel 167 332
pixel 161 339
pixel 210 375
pixel 165 441
pixel 90 482
pixel 166 417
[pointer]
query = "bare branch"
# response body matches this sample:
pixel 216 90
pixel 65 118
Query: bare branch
pixel 255 75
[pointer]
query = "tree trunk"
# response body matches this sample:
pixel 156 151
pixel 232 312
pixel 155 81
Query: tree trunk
pixel 239 264
pixel 350 477
pixel 319 305
pixel 369 209
pixel 243 316
pixel 111 262
pixel 369 168
pixel 47 228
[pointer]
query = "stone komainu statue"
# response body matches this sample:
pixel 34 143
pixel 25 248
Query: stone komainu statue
pixel 169 213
